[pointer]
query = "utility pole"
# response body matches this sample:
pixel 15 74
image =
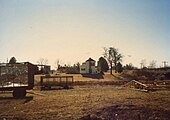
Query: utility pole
pixel 141 65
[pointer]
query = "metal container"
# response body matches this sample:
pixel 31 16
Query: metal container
pixel 17 77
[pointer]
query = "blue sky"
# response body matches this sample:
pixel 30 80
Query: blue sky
pixel 74 30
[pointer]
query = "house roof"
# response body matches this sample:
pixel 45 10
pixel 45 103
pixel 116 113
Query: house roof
pixel 90 60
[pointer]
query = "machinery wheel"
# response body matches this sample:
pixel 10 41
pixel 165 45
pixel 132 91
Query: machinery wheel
pixel 19 93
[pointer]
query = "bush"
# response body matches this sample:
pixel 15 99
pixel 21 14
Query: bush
pixel 167 75
pixel 72 70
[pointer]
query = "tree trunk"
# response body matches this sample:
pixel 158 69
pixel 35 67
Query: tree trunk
pixel 115 67
pixel 111 67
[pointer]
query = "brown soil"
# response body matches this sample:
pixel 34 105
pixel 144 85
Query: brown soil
pixel 87 102
pixel 90 99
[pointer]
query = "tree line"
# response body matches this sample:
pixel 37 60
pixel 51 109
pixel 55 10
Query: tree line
pixel 111 60
pixel 110 56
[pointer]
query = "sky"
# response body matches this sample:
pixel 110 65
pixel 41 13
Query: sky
pixel 74 30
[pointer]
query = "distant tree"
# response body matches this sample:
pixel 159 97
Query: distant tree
pixel 152 64
pixel 78 66
pixel 12 60
pixel 119 67
pixel 165 64
pixel 42 61
pixel 65 65
pixel 67 68
pixel 129 66
pixel 113 57
pixel 103 65
pixel 143 63
pixel 57 64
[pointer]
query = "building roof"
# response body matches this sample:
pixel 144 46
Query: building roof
pixel 90 60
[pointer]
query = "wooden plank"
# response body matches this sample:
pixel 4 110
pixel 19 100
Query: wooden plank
pixel 137 85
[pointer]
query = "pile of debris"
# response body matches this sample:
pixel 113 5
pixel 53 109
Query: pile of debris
pixel 148 86
pixel 137 85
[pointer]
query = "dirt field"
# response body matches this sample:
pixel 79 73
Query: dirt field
pixel 90 99
pixel 106 102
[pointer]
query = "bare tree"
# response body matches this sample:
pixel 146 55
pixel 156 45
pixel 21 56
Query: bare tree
pixel 152 64
pixel 129 66
pixel 42 61
pixel 57 63
pixel 113 57
pixel 165 64
pixel 143 63
pixel 78 66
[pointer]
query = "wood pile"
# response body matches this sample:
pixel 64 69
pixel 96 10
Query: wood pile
pixel 137 85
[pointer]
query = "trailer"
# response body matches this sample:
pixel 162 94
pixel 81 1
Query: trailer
pixel 47 82
pixel 17 77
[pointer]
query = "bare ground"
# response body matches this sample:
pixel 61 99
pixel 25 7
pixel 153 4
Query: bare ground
pixel 85 102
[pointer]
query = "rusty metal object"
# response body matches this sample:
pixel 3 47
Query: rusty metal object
pixel 52 81
pixel 17 77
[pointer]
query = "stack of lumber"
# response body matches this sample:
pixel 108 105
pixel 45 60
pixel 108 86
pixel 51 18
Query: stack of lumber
pixel 137 85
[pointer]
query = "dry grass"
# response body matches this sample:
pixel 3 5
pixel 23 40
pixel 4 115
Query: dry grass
pixel 101 99
pixel 79 77
pixel 96 101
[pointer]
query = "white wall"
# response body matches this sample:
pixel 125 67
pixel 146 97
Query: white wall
pixel 84 68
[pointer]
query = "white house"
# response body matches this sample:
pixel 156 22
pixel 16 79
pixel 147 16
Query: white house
pixel 88 67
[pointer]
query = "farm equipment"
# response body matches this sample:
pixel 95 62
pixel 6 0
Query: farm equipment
pixel 17 77
pixel 53 81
